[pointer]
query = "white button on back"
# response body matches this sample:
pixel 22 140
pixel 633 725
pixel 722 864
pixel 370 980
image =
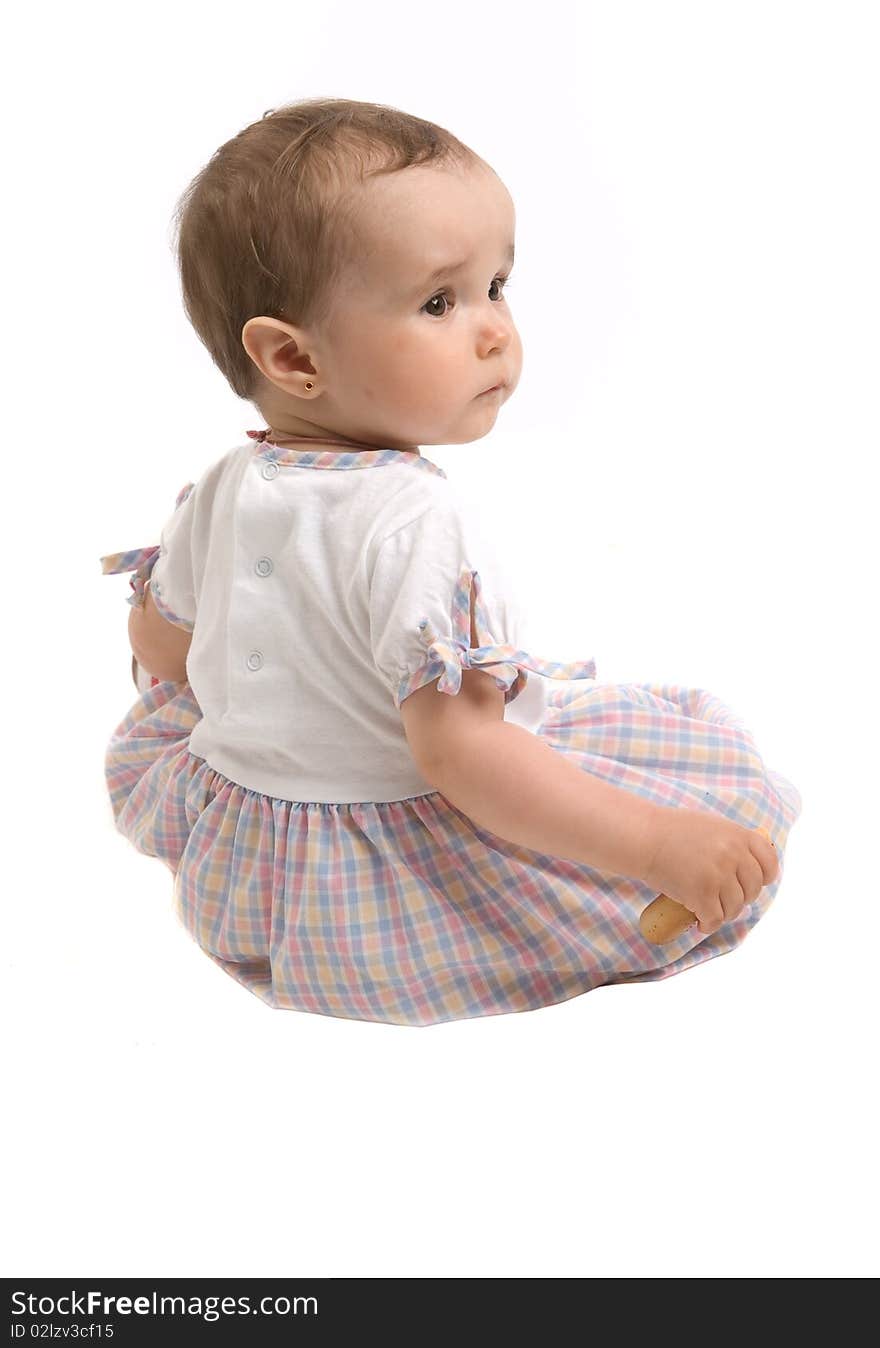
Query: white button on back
pixel 263 566
pixel 255 660
pixel 270 470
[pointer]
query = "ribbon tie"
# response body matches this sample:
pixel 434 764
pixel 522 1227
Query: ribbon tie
pixel 455 653
pixel 140 561
pixel 456 656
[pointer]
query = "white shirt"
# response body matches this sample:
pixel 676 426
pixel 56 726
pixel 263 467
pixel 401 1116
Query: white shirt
pixel 305 588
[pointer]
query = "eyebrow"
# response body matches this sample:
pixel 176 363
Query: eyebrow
pixel 449 268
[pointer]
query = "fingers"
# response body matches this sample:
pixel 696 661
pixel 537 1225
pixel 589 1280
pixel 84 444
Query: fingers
pixel 762 848
pixel 733 898
pixel 750 877
pixel 712 917
pixel 757 868
pixel 735 895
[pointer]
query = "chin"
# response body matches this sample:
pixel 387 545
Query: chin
pixel 469 439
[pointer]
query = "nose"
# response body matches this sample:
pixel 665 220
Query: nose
pixel 496 330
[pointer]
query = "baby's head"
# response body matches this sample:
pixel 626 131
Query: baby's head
pixel 344 264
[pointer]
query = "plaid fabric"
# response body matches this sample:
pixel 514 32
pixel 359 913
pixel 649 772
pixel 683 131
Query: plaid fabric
pixel 406 912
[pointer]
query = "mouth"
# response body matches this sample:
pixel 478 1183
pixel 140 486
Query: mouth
pixel 496 388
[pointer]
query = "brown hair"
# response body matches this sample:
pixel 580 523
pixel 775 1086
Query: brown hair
pixel 266 227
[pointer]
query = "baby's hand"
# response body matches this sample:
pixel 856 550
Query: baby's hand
pixel 710 865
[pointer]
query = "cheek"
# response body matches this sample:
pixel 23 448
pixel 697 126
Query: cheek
pixel 414 360
pixel 516 346
pixel 363 358
pixel 425 349
pixel 407 362
pixel 388 366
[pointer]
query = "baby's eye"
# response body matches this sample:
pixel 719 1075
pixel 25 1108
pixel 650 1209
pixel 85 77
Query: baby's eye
pixel 502 281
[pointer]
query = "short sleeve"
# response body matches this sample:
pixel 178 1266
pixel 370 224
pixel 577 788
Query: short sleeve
pixel 167 566
pixel 434 584
pixel 172 579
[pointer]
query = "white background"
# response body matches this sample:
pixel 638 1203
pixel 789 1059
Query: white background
pixel 686 480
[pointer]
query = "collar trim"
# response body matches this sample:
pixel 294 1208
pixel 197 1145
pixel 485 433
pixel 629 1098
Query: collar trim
pixel 288 456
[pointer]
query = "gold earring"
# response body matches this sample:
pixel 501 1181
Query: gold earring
pixel 308 385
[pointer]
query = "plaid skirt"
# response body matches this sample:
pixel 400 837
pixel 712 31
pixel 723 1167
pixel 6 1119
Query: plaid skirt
pixel 406 912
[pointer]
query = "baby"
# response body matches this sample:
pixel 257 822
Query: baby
pixel 344 840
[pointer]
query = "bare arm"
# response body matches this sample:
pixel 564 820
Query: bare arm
pixel 160 647
pixel 510 782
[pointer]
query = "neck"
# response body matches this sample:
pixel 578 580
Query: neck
pixel 288 438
